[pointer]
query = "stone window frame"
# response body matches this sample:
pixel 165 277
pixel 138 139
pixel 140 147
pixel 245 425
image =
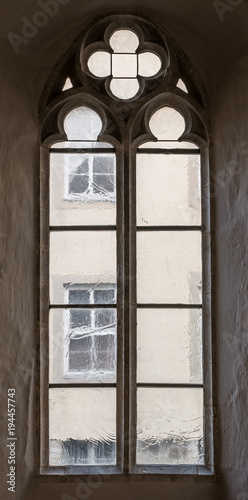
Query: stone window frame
pixel 55 105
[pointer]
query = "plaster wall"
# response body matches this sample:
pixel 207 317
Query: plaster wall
pixel 219 50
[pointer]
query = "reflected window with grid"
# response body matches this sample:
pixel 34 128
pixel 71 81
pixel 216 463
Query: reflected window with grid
pixel 91 332
pixel 91 177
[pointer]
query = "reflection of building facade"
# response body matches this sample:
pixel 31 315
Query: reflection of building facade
pixel 83 336
pixel 84 183
pixel 91 332
pixel 83 340
pixel 92 180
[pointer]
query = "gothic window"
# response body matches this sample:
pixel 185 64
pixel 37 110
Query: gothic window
pixel 126 297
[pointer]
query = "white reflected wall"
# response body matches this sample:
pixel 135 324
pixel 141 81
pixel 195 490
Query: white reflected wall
pixel 169 346
pixel 87 417
pixel 168 189
pixel 170 426
pixel 80 257
pixel 169 267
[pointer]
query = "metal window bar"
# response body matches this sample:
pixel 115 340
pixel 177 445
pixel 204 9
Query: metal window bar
pixel 81 150
pixel 168 151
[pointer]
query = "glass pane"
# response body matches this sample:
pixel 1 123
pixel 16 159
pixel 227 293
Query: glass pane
pixel 104 295
pixel 68 84
pixel 170 426
pixel 81 145
pixel 168 190
pixel 124 88
pixel 168 145
pixel 169 267
pixel 82 426
pixel 181 85
pixel 169 346
pixel 77 195
pixel 82 123
pixel 124 41
pixel 103 164
pixel 149 64
pixel 167 124
pixel 79 295
pixel 91 293
pixel 103 184
pixel 100 64
pixel 124 65
pixel 81 259
pixel 82 345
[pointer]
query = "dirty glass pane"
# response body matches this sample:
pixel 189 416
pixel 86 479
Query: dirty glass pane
pixel 168 190
pixel 124 65
pixel 82 189
pixel 82 345
pixel 81 145
pixel 167 124
pixel 169 346
pixel 99 63
pixel 124 88
pixel 169 268
pixel 82 123
pixel 97 293
pixel 124 41
pixel 149 64
pixel 81 258
pixel 103 169
pixel 104 295
pixel 170 426
pixel 168 145
pixel 82 426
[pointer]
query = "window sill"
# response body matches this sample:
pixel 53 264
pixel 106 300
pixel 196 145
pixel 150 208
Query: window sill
pixel 137 470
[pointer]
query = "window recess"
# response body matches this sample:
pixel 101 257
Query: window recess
pixel 125 263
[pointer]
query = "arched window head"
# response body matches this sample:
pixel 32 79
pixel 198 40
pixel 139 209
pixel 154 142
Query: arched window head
pixel 126 233
pixel 82 124
pixel 167 124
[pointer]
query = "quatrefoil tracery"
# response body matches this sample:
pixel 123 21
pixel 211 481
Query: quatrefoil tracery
pixel 125 65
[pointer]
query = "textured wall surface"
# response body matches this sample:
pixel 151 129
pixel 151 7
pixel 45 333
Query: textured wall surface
pixel 216 40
